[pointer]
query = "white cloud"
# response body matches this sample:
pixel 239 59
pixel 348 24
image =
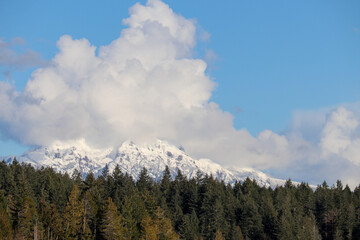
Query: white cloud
pixel 338 136
pixel 146 85
pixel 142 86
pixel 325 145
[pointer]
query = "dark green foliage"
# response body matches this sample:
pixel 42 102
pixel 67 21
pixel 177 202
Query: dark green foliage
pixel 44 204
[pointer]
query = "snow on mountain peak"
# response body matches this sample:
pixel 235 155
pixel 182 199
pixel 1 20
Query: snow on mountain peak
pixel 132 158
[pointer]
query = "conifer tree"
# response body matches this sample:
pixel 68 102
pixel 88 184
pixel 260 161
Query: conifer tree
pixel 166 230
pixel 21 204
pixel 75 225
pixel 250 219
pixel 5 224
pixel 113 223
pixel 237 233
pixel 150 230
pixel 49 218
pixel 119 191
pixel 165 181
pixel 190 226
pixel 175 204
pixel 76 177
pixel 89 217
pixel 144 181
pixel 165 187
pixel 212 211
pixel 133 211
pixel 26 218
pixel 190 197
pixel 269 215
pixel 105 171
pixel 218 235
pixel 55 224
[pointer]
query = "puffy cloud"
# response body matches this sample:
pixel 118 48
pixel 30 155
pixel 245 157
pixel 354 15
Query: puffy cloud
pixel 324 145
pixel 340 136
pixel 136 87
pixel 332 133
pixel 142 86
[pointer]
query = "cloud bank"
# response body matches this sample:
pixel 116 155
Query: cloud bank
pixel 325 144
pixel 146 85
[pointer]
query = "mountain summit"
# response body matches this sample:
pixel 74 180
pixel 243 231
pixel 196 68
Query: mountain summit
pixel 132 158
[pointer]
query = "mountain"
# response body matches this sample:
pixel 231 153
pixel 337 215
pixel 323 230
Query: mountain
pixel 132 158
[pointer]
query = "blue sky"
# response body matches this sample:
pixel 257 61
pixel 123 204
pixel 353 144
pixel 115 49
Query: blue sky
pixel 269 59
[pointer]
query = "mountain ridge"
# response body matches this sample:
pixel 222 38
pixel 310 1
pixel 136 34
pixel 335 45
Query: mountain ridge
pixel 132 158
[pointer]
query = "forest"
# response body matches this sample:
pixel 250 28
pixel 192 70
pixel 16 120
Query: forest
pixel 44 204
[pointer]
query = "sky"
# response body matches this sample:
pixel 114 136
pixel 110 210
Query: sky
pixel 272 85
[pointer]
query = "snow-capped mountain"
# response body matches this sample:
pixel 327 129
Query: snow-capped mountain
pixel 131 158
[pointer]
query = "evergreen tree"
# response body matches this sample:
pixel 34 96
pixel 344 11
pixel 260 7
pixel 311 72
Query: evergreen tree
pixel 21 204
pixel 166 230
pixel 150 230
pixel 236 233
pixel 76 177
pixel 75 221
pixel 5 223
pixel 175 201
pixel 165 188
pixel 144 182
pixel 190 226
pixel 212 215
pixel 133 211
pixel 113 224
pixel 269 215
pixel 26 219
pixel 250 219
pixel 105 171
pixel 165 181
pixel 218 235
pixel 50 219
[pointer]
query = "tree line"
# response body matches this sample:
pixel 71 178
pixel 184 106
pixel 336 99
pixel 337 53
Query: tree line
pixel 44 204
